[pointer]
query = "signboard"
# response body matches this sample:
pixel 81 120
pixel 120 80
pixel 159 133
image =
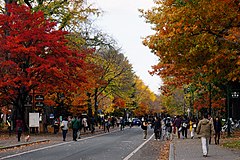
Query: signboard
pixel 28 104
pixel 39 98
pixel 33 119
pixel 39 104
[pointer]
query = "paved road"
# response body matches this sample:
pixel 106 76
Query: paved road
pixel 113 146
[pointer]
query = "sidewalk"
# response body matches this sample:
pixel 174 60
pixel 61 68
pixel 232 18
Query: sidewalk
pixel 7 141
pixel 190 149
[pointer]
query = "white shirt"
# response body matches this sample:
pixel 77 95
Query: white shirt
pixel 65 125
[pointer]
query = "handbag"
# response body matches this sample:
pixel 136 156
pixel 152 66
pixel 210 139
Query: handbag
pixel 180 129
pixel 62 125
pixel 185 125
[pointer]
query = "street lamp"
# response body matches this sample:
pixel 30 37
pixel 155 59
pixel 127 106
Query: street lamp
pixel 234 95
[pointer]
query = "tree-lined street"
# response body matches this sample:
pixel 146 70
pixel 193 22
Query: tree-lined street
pixel 61 73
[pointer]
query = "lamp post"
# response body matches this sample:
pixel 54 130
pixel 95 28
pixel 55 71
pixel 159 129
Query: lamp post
pixel 228 113
pixel 235 96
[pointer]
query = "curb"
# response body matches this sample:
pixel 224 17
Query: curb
pixel 24 144
pixel 171 152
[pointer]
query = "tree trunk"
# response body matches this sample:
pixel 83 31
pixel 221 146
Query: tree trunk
pixel 96 103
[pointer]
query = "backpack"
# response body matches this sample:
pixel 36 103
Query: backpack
pixel 168 123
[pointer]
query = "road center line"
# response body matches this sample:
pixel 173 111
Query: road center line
pixel 138 148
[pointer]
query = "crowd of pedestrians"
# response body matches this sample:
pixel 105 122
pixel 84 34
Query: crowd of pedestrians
pixel 208 129
pixel 80 124
pixel 163 126
pixel 205 128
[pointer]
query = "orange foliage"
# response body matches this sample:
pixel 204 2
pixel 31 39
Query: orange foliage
pixel 195 39
pixel 204 102
pixel 119 102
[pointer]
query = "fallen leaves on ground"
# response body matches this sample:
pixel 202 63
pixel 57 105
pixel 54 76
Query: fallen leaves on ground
pixel 164 152
pixel 231 142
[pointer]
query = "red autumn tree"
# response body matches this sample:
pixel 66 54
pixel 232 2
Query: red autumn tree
pixel 34 56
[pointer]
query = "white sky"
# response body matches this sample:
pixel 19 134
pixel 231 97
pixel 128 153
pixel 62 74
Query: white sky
pixel 121 20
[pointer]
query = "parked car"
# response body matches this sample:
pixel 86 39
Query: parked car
pixel 136 122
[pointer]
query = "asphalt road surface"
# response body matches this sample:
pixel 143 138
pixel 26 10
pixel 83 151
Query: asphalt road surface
pixel 118 145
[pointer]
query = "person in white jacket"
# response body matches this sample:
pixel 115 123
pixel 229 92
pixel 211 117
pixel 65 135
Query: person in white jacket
pixel 64 127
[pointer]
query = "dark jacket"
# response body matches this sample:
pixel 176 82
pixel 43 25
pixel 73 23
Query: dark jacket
pixel 75 124
pixel 217 126
pixel 178 122
pixel 19 125
pixel 185 123
pixel 157 125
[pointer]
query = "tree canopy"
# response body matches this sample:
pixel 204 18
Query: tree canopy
pixel 195 39
pixel 35 56
pixel 197 42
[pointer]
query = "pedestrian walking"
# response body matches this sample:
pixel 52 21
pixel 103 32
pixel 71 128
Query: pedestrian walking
pixel 185 125
pixel 163 131
pixel 210 119
pixel 107 124
pixel 130 122
pixel 204 130
pixel 64 127
pixel 168 125
pixel 157 128
pixel 122 123
pixel 56 125
pixel 92 124
pixel 144 127
pixel 9 127
pixel 113 122
pixel 19 128
pixel 217 128
pixel 178 123
pixel 192 127
pixel 85 124
pixel 75 127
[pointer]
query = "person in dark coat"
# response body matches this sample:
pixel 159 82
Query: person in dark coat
pixel 19 128
pixel 217 128
pixel 56 125
pixel 185 125
pixel 75 127
pixel 144 127
pixel 157 128
pixel 178 123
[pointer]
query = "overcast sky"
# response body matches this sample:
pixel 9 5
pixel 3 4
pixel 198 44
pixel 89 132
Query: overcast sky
pixel 121 20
